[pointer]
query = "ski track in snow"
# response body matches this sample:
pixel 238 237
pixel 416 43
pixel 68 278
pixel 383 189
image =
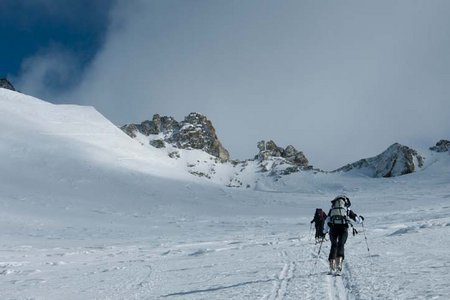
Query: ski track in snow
pixel 281 283
pixel 254 264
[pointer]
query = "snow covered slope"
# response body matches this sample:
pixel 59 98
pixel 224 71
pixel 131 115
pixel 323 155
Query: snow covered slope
pixel 88 213
pixel 39 131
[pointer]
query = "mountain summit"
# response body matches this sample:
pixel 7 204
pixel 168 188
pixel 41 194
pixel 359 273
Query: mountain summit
pixel 194 132
pixel 292 155
pixel 394 161
pixel 441 146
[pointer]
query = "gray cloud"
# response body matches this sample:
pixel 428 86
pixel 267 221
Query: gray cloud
pixel 48 73
pixel 338 80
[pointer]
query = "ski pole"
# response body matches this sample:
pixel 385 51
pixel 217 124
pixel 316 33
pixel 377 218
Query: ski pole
pixel 310 231
pixel 318 253
pixel 365 238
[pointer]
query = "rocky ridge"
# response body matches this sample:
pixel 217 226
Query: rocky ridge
pixel 197 132
pixel 4 83
pixel 441 146
pixel 396 160
pixel 290 154
pixel 194 132
pixel 280 161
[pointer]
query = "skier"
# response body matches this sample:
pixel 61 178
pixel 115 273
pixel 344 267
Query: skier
pixel 337 222
pixel 319 220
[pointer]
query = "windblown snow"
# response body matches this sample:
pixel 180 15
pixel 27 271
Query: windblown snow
pixel 86 212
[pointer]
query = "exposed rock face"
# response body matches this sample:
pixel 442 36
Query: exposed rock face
pixel 395 161
pixel 158 124
pixel 194 132
pixel 270 149
pixel 4 83
pixel 197 132
pixel 441 146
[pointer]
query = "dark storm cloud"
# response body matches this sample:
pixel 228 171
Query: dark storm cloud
pixel 33 31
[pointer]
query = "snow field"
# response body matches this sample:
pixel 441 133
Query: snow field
pixel 88 213
pixel 237 259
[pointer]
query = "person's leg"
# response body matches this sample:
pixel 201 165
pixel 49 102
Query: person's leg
pixel 334 243
pixel 321 234
pixel 342 238
pixel 333 249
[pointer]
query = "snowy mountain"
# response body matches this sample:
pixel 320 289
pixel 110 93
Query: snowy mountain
pixel 396 160
pixel 441 146
pixel 89 213
pixel 270 164
pixel 194 144
pixel 194 132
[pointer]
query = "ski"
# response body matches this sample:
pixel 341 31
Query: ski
pixel 335 273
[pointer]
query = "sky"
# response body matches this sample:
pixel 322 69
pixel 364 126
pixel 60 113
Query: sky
pixel 338 80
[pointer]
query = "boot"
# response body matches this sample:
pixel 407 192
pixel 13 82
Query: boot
pixel 332 266
pixel 339 261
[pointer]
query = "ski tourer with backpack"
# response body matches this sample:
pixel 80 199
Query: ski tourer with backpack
pixel 319 221
pixel 340 218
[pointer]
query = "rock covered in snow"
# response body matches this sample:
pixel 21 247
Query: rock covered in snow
pixel 270 149
pixel 396 160
pixel 441 146
pixel 4 83
pixel 194 132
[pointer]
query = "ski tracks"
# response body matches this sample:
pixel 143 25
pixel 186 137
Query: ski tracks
pixel 344 286
pixel 337 289
pixel 281 283
pixel 294 280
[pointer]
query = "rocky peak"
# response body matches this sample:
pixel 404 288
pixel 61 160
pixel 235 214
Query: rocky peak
pixel 270 149
pixel 394 161
pixel 164 124
pixel 441 146
pixel 197 132
pixel 4 83
pixel 157 125
pixel 194 132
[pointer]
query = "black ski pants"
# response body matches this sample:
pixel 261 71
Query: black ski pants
pixel 338 237
pixel 319 230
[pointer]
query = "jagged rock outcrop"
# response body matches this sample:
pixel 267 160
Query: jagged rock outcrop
pixel 441 146
pixel 4 83
pixel 396 160
pixel 194 132
pixel 158 125
pixel 290 154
